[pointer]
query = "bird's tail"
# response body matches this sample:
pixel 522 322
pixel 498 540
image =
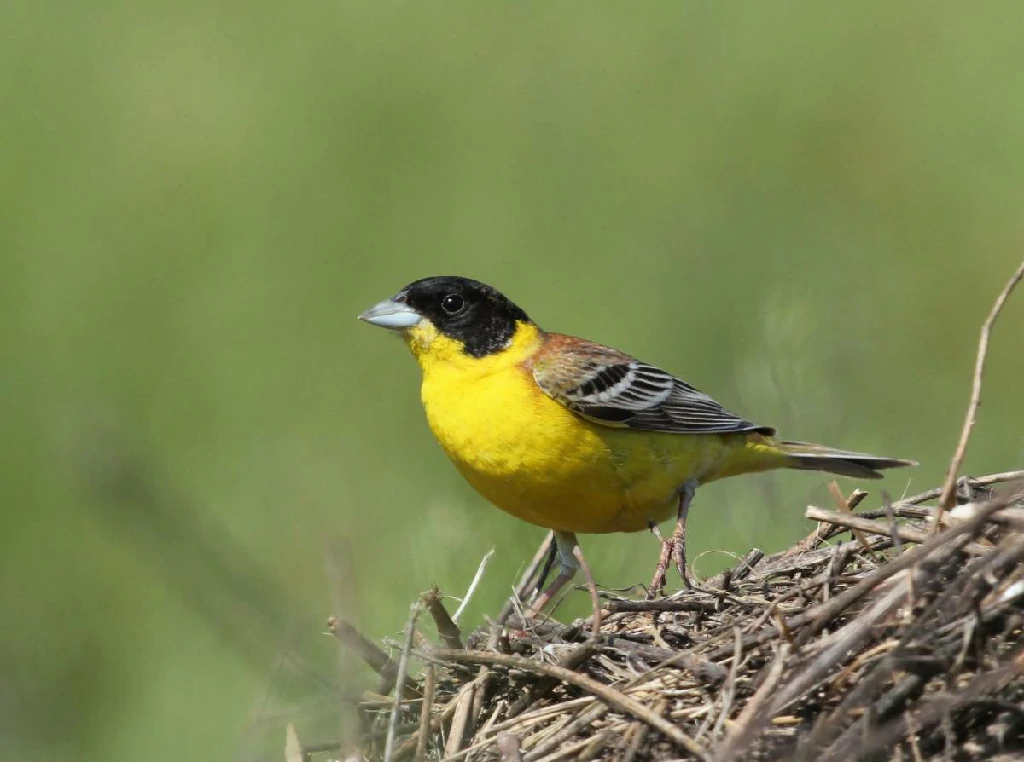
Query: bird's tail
pixel 814 457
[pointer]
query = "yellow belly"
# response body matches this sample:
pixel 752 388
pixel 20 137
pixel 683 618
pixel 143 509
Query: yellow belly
pixel 540 462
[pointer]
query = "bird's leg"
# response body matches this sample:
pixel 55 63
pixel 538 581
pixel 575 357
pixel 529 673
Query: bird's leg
pixel 678 539
pixel 549 562
pixel 595 599
pixel 658 582
pixel 530 584
pixel 674 548
pixel 567 565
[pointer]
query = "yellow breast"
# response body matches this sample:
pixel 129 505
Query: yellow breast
pixel 520 449
pixel 537 460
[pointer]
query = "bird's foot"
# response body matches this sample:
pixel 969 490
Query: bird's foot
pixel 673 550
pixel 678 550
pixel 657 587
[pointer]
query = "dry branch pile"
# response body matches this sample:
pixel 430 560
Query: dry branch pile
pixel 899 643
pixel 903 642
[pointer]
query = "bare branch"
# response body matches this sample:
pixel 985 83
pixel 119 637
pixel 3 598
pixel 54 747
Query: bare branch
pixel 948 496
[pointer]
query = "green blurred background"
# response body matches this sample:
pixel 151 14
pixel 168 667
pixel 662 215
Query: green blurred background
pixel 804 209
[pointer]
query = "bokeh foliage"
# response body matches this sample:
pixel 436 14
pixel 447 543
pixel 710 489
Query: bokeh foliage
pixel 802 208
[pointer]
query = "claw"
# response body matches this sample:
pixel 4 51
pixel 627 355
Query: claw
pixel 674 548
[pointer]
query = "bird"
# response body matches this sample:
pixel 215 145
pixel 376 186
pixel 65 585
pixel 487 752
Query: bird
pixel 574 436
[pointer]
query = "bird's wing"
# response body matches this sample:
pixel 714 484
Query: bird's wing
pixel 610 387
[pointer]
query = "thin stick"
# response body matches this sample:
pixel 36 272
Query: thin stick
pixel 752 718
pixel 583 652
pixel 292 746
pixel 613 698
pixel 446 628
pixel 425 709
pixel 409 746
pixel 729 692
pixel 527 579
pixel 473 585
pixel 639 732
pixel 508 746
pixel 740 571
pixel 948 497
pixel 891 516
pixel 369 652
pixel 403 665
pixel 822 533
pixel 844 507
pixel 915 747
pixel 983 481
pixel 463 710
pixel 584 720
pixel 595 600
pixel 902 531
pixel 662 605
pixel 704 670
pixel 518 722
pixel 594 746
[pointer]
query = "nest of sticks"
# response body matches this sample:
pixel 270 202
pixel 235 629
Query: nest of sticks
pixel 899 642
pixel 890 634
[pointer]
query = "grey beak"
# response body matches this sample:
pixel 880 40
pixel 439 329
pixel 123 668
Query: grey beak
pixel 390 314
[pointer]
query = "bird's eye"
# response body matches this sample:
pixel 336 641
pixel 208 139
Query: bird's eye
pixel 453 304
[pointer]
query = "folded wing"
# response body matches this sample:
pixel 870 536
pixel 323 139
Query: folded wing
pixel 610 387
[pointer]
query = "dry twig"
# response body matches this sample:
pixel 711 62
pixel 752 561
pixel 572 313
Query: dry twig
pixel 870 654
pixel 429 685
pixel 605 693
pixel 450 634
pixel 484 562
pixel 403 666
pixel 948 495
pixel 898 531
pixel 370 653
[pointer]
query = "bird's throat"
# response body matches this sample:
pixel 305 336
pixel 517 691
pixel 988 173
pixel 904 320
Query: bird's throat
pixel 437 353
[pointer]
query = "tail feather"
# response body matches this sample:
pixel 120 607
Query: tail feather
pixel 814 457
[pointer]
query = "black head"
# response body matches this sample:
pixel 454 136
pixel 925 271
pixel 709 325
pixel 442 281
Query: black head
pixel 469 311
